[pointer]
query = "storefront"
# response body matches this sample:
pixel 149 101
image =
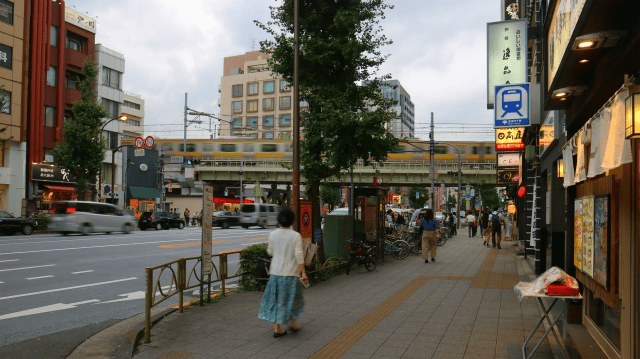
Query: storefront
pixel 53 184
pixel 591 74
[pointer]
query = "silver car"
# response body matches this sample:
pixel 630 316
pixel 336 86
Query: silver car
pixel 88 217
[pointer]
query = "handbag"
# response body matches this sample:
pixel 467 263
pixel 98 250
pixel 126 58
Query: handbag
pixel 309 249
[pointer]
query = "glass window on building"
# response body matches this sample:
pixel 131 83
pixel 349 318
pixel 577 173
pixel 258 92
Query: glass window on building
pixel 285 119
pixel 53 35
pixel 131 104
pixel 605 317
pixel 5 100
pixel 75 41
pixel 252 121
pixel 284 86
pixel 52 75
pixel 49 116
pixel 252 105
pixel 236 90
pixel 6 56
pixel 252 88
pixel 267 121
pixel 113 140
pixel 236 106
pixel 253 135
pixel 48 155
pixel 268 135
pixel 268 87
pixel 112 107
pixel 6 12
pixel 267 104
pixel 71 81
pixel 227 147
pixel 110 78
pixel 285 102
pixel 237 122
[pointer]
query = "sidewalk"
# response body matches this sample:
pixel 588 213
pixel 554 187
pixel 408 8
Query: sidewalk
pixel 461 306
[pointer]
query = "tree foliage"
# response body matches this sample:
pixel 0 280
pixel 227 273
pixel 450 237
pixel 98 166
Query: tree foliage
pixel 423 196
pixel 489 196
pixel 340 55
pixel 329 194
pixel 81 151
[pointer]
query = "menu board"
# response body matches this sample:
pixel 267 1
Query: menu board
pixel 587 235
pixel 601 240
pixel 577 234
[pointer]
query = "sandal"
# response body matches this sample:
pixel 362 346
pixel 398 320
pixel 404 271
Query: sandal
pixel 278 335
pixel 295 329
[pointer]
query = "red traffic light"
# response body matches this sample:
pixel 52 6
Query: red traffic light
pixel 522 191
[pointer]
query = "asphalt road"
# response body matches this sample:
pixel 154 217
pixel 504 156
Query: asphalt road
pixel 51 283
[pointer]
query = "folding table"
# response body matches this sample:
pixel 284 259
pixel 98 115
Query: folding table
pixel 545 315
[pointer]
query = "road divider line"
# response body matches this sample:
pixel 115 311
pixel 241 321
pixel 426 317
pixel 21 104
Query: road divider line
pixel 44 276
pixel 67 288
pixel 84 271
pixel 9 260
pixel 12 269
pixel 92 247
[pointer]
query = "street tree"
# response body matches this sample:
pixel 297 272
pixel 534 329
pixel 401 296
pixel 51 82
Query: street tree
pixel 489 195
pixel 329 195
pixel 81 151
pixel 340 54
pixel 423 196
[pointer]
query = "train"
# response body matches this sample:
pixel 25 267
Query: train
pixel 257 149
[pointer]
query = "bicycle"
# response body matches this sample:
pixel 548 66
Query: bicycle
pixel 369 259
pixel 399 249
pixel 441 237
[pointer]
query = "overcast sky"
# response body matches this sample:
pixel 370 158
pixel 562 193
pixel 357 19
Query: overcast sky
pixel 173 47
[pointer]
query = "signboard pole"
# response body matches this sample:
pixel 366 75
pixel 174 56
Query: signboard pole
pixel 205 263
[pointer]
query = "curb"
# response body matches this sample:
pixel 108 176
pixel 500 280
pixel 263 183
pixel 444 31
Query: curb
pixel 119 340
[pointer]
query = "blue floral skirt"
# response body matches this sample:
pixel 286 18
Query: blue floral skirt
pixel 282 300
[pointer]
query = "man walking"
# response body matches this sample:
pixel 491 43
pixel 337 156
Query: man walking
pixel 471 223
pixel 496 221
pixel 186 216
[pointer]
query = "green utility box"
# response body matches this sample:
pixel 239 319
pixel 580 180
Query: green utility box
pixel 337 231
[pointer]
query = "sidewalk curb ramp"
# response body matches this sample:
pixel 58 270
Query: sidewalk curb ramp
pixel 119 340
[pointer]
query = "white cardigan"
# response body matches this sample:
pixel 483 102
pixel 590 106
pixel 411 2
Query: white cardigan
pixel 285 245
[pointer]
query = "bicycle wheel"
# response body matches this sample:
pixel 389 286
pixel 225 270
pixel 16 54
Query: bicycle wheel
pixel 442 240
pixel 371 262
pixel 401 249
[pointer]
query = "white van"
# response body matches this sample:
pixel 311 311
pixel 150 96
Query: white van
pixel 88 217
pixel 256 214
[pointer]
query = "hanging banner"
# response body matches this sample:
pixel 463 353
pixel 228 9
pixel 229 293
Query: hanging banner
pixel 509 139
pixel 506 55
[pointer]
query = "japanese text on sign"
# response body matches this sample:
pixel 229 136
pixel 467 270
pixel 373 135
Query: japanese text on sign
pixel 506 55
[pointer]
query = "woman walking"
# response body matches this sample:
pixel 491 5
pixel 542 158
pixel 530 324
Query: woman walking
pixel 282 301
pixel 430 226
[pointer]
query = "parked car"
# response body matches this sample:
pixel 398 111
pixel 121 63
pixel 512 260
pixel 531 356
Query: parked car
pixel 87 217
pixel 263 215
pixel 225 219
pixel 9 224
pixel 160 220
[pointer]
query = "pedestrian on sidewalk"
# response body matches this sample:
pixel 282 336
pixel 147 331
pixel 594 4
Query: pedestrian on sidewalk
pixel 508 225
pixel 282 301
pixel 471 223
pixel 484 226
pixel 430 226
pixel 496 221
pixel 186 216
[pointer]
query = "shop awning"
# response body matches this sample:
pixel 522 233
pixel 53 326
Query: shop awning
pixel 142 192
pixel 220 200
pixel 59 188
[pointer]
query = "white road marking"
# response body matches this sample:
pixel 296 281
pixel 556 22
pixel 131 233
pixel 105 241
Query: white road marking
pixel 45 309
pixel 127 296
pixel 1 282
pixel 12 269
pixel 9 260
pixel 44 276
pixel 68 288
pixel 84 271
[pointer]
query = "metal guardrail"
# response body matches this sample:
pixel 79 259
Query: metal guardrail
pixel 180 280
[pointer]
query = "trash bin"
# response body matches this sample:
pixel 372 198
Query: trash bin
pixel 337 231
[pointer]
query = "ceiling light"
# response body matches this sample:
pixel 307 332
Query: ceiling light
pixel 560 94
pixel 583 61
pixel 563 99
pixel 565 92
pixel 598 39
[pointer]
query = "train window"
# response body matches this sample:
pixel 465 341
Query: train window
pixel 228 147
pixel 398 149
pixel 207 147
pixel 440 150
pixel 190 147
pixel 248 147
pixel 268 147
pixel 488 150
pixel 475 150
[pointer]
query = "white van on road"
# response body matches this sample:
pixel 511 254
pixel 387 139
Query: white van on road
pixel 256 214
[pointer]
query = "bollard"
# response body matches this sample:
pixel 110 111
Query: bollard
pixel 182 269
pixel 223 273
pixel 147 305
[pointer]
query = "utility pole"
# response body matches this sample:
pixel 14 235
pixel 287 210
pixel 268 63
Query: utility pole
pixel 432 150
pixel 241 193
pixel 295 181
pixel 184 155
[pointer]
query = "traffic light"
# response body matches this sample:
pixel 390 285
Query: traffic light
pixel 189 162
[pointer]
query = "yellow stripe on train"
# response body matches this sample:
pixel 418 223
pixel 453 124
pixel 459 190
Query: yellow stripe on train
pixel 269 154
